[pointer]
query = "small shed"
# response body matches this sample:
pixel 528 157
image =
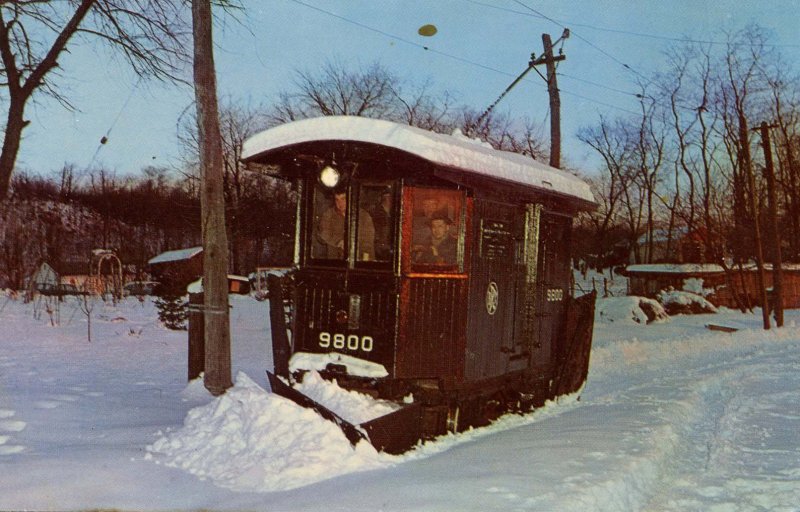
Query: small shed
pixel 51 277
pixel 44 278
pixel 722 288
pixel 176 269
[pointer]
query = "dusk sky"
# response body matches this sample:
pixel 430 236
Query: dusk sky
pixel 480 47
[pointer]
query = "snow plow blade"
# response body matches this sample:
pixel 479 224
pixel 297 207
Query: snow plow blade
pixel 393 433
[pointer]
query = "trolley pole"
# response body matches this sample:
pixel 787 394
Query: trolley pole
pixel 777 260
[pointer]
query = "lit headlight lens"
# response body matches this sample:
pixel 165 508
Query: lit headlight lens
pixel 329 176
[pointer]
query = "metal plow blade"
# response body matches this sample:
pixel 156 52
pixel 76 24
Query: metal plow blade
pixel 393 433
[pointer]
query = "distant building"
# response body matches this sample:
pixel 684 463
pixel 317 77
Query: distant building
pixel 52 278
pixel 722 289
pixel 176 269
pixel 677 246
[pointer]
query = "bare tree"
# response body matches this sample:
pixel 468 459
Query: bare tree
pixel 785 116
pixel 87 299
pixel 614 187
pixel 151 35
pixel 335 90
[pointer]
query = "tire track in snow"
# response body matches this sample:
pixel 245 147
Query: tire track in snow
pixel 710 452
pixel 685 434
pixel 8 425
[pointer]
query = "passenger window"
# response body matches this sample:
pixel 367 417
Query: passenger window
pixel 330 224
pixel 376 219
pixel 437 228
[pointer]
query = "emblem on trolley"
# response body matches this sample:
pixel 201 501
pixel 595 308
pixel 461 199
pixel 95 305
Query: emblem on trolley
pixel 492 298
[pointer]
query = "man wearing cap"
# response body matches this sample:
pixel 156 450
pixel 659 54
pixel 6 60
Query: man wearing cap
pixel 439 247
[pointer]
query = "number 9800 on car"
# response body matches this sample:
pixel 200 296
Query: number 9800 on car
pixel 341 341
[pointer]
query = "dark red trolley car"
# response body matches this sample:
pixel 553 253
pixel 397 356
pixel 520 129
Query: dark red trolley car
pixel 426 265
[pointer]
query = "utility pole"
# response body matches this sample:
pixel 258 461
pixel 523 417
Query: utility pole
pixel 747 163
pixel 549 60
pixel 212 201
pixel 777 260
pixel 555 99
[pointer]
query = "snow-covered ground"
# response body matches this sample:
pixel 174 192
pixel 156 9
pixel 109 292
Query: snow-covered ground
pixel 674 417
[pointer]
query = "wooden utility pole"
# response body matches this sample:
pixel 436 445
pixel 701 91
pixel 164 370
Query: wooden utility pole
pixel 212 201
pixel 777 260
pixel 549 60
pixel 747 163
pixel 555 99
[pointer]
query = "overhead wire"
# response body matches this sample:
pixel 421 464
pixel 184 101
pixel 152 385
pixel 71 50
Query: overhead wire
pixel 620 31
pixel 449 55
pixel 401 39
pixel 104 138
pixel 597 48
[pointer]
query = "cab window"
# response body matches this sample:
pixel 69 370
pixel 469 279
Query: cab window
pixel 437 229
pixel 334 214
pixel 376 220
pixel 329 214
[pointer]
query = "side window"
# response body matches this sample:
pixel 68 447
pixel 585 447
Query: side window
pixel 437 228
pixel 376 220
pixel 330 224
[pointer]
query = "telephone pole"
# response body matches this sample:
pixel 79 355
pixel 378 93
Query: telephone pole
pixel 549 60
pixel 747 164
pixel 217 377
pixel 777 260
pixel 555 99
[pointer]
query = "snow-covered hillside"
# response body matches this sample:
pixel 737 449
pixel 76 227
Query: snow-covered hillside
pixel 673 417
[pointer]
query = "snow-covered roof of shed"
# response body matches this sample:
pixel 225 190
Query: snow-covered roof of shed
pixel 176 255
pixel 452 151
pixel 674 268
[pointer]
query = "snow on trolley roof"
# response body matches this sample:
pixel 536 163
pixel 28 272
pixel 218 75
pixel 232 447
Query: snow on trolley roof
pixel 453 151
pixel 176 255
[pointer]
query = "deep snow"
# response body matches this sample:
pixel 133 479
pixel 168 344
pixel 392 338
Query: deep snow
pixel 673 417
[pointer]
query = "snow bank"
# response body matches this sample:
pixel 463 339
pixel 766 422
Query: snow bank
pixel 695 285
pixel 681 302
pixel 677 351
pixel 631 310
pixel 252 440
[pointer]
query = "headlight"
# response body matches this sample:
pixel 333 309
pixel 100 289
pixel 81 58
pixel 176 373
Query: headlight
pixel 329 176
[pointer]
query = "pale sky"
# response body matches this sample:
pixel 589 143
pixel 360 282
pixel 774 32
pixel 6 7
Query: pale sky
pixel 480 47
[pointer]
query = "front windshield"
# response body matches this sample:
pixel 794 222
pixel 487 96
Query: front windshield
pixel 334 216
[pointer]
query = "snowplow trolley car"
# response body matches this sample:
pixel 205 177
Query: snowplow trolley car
pixel 430 270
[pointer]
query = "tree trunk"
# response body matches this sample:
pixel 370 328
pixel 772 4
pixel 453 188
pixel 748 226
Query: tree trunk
pixel 21 89
pixel 13 135
pixel 215 240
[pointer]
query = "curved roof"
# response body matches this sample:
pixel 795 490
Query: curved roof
pixel 458 152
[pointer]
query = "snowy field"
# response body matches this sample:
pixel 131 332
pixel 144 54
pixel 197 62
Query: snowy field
pixel 674 417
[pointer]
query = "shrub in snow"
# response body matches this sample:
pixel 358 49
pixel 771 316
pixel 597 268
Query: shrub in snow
pixel 632 309
pixel 172 312
pixel 684 303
